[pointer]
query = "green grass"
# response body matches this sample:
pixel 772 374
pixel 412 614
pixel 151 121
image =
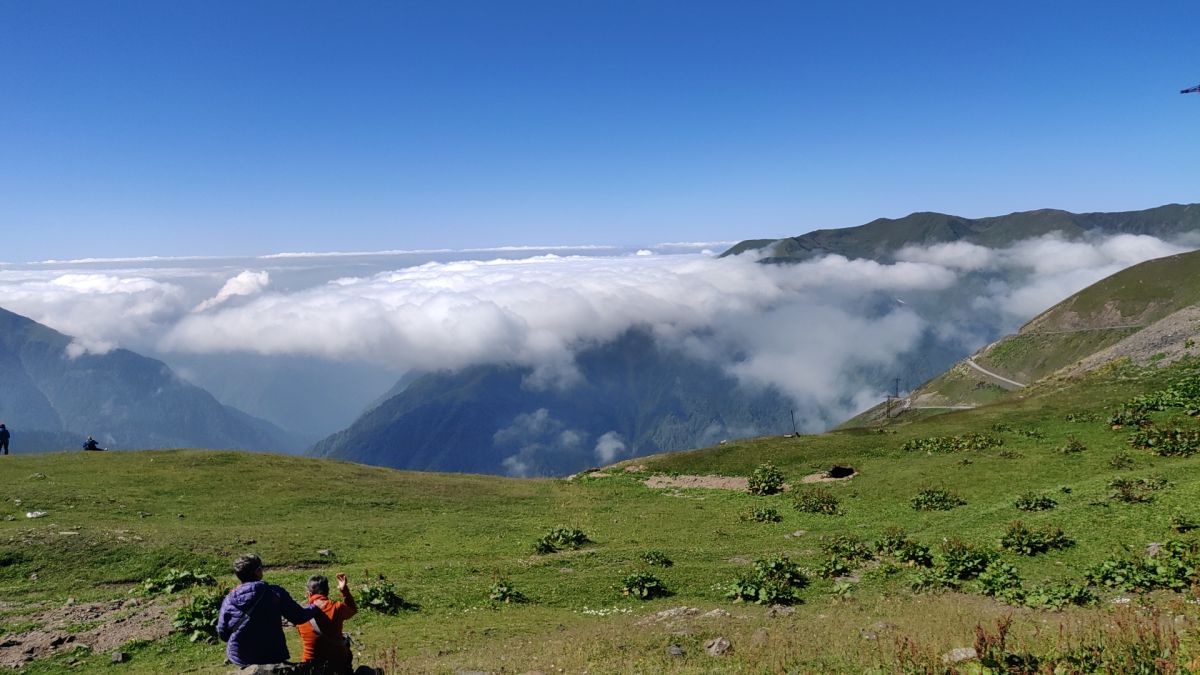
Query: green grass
pixel 445 539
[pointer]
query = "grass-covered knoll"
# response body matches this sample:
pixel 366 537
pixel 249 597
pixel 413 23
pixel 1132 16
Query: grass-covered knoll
pixel 1138 295
pixel 459 549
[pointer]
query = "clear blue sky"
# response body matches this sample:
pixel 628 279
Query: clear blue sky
pixel 177 128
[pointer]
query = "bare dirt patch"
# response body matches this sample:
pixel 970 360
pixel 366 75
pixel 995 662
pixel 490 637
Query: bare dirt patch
pixel 739 483
pixel 102 626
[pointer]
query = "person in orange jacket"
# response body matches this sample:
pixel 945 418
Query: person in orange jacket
pixel 322 637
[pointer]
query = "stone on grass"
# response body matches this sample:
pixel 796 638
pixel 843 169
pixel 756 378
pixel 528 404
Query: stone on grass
pixel 777 611
pixel 674 650
pixel 119 657
pixel 718 646
pixel 959 655
pixel 714 614
pixel 1153 549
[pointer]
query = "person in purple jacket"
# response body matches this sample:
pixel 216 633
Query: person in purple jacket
pixel 250 616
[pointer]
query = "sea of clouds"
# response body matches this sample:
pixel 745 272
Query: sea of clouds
pixel 796 327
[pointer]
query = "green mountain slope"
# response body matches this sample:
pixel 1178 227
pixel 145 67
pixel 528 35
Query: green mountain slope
pixel 446 540
pixel 1144 313
pixel 881 238
pixel 52 400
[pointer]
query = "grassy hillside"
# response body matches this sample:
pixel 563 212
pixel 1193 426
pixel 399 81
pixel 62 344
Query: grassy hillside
pixel 116 519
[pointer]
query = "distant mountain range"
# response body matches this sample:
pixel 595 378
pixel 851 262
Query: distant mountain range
pixel 482 419
pixel 53 395
pixel 880 239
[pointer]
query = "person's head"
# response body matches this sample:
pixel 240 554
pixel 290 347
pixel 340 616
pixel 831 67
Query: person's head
pixel 318 585
pixel 248 567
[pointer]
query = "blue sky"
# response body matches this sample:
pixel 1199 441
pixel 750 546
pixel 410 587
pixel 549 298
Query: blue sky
pixel 241 128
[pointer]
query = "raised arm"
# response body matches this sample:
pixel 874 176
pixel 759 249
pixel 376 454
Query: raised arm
pixel 348 608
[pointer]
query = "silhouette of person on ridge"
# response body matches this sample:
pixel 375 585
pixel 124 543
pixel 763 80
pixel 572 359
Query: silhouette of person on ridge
pixel 91 444
pixel 4 436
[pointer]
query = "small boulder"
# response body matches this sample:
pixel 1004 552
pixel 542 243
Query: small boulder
pixel 959 655
pixel 325 553
pixel 715 614
pixel 1153 549
pixel 674 650
pixel 718 646
pixel 777 611
pixel 119 657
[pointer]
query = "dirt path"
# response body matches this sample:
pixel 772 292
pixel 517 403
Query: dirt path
pixel 739 483
pixel 976 366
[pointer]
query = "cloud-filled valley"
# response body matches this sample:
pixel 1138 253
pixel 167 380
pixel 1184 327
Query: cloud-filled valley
pixel 806 329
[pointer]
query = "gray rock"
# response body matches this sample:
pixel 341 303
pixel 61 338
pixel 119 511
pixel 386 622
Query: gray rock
pixel 760 637
pixel 673 613
pixel 959 655
pixel 674 650
pixel 714 614
pixel 119 657
pixel 325 553
pixel 1153 549
pixel 718 646
pixel 777 611
pixel 266 669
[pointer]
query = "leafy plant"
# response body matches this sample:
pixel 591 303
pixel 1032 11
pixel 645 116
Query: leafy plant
pixel 959 443
pixel 1022 540
pixel 936 500
pixel 379 594
pixel 643 586
pixel 560 538
pixel 1000 580
pixel 962 561
pixel 1127 416
pixel 773 581
pixel 1135 490
pixel 197 618
pixel 766 480
pixel 833 567
pixel 1072 446
pixel 656 558
pixel 847 548
pixel 762 514
pixel 1121 460
pixel 176 580
pixel 502 591
pixel 1056 595
pixel 932 580
pixel 1032 501
pixel 896 543
pixel 1182 523
pixel 1172 442
pixel 1176 566
pixel 817 500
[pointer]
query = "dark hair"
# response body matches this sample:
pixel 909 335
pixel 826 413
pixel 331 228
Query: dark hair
pixel 318 585
pixel 246 566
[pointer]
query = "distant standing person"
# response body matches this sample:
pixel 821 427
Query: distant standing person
pixel 250 615
pixel 4 435
pixel 324 643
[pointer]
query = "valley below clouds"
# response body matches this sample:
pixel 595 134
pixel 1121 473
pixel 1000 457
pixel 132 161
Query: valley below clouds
pixel 828 333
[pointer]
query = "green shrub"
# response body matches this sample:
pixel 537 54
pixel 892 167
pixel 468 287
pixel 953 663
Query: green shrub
pixel 936 500
pixel 1072 446
pixel 1000 580
pixel 176 580
pixel 1120 461
pixel 1032 501
pixel 1082 417
pixel 962 562
pixel 560 538
pixel 772 581
pixel 1022 540
pixel 960 443
pixel 1126 416
pixel 197 618
pixel 847 548
pixel 1035 434
pixel 1182 523
pixel 657 558
pixel 1176 567
pixel 833 567
pixel 1135 490
pixel 502 591
pixel 643 586
pixel 762 514
pixel 1172 442
pixel 1060 594
pixel 932 580
pixel 379 594
pixel 896 543
pixel 817 500
pixel 766 480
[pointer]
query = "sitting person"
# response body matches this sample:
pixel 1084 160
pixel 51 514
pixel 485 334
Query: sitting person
pixel 250 615
pixel 91 444
pixel 324 643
